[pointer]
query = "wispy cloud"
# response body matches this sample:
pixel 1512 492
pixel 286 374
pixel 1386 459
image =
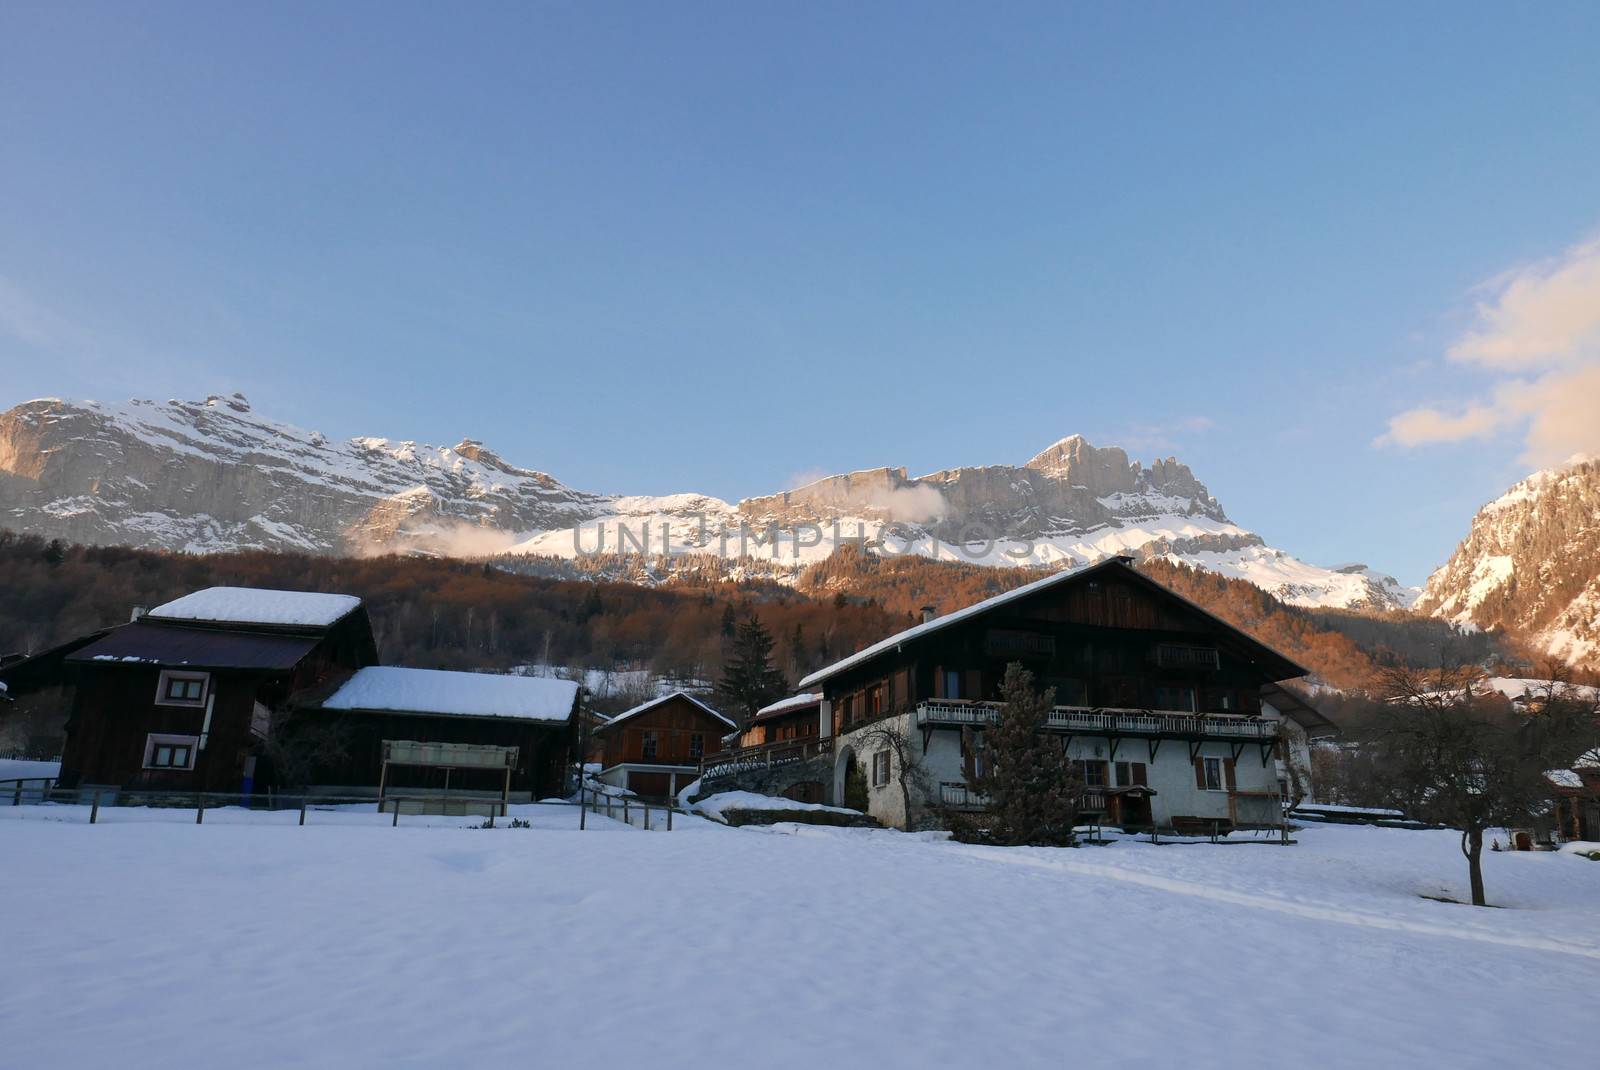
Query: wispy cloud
pixel 1537 328
pixel 1153 438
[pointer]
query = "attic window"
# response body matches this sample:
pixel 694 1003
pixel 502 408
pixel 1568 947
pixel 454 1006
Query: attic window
pixel 182 689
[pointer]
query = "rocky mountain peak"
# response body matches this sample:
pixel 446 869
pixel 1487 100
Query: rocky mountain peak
pixel 1531 563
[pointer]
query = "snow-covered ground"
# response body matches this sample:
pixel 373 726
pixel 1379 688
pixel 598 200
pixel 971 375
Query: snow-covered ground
pixel 16 768
pixel 249 941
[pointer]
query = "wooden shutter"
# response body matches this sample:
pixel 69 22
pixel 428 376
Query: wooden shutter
pixel 1200 773
pixel 972 686
pixel 1227 773
pixel 1140 776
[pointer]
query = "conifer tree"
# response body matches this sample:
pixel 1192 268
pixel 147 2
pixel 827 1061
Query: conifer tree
pixel 749 681
pixel 1033 791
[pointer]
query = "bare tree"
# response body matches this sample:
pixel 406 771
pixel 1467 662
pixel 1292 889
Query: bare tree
pixel 1452 751
pixel 905 755
pixel 298 748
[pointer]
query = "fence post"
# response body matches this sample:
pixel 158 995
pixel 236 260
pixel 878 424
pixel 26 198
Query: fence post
pixel 626 818
pixel 583 807
pixel 669 819
pixel 396 813
pixel 302 809
pixel 94 810
pixel 647 817
pixel 199 808
pixel 16 798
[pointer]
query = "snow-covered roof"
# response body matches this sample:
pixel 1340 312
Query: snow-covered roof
pixel 1563 778
pixel 254 605
pixel 653 703
pixel 788 705
pixel 456 694
pixel 929 626
pixel 1017 594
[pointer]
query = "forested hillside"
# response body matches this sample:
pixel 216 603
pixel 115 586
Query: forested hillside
pixel 447 613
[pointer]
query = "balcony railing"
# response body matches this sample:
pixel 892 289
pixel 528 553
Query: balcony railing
pixel 960 797
pixel 783 752
pixel 1107 721
pixel 957 796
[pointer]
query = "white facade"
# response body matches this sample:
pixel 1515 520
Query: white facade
pixel 1252 800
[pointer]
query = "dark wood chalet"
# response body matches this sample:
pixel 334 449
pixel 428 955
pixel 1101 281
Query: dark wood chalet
pixel 1157 699
pixel 656 748
pixel 182 697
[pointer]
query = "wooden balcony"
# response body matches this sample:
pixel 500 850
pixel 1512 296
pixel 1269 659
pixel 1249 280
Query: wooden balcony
pixel 1108 721
pixel 784 752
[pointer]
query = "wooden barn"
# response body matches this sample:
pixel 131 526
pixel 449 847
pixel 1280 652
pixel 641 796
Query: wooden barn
pixel 183 697
pixel 656 748
pixel 532 721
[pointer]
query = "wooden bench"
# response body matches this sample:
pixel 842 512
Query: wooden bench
pixel 1213 827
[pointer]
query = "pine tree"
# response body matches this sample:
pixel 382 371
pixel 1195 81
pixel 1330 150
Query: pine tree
pixel 749 681
pixel 730 623
pixel 1033 791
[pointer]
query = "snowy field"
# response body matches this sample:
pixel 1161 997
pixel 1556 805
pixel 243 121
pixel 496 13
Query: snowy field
pixel 148 941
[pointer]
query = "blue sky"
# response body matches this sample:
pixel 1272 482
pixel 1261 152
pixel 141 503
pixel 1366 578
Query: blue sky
pixel 652 247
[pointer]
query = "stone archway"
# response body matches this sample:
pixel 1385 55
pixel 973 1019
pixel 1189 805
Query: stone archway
pixel 849 781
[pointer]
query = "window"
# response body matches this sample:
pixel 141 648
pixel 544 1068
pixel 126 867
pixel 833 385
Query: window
pixel 874 700
pixel 697 746
pixel 1171 697
pixel 169 752
pixel 1094 774
pixel 181 689
pixel 952 684
pixel 1070 691
pixel 1213 774
pixel 649 745
pixel 880 769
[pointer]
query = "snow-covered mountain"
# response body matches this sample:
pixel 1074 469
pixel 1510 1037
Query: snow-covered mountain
pixel 1531 564
pixel 214 475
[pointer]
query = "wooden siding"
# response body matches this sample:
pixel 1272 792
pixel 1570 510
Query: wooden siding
pixel 674 722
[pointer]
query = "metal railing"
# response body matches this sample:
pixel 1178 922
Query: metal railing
pixel 1106 720
pixel 764 755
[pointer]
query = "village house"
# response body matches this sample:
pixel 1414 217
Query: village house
pixel 1158 702
pixel 1575 810
pixel 656 748
pixel 207 692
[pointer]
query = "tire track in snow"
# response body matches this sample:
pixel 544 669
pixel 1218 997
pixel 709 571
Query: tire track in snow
pixel 1265 902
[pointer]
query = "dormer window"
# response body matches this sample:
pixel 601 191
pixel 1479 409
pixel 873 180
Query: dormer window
pixel 182 689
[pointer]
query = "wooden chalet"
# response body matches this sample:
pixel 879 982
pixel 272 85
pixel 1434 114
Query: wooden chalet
pixel 182 697
pixel 1158 702
pixel 792 718
pixel 204 693
pixel 656 748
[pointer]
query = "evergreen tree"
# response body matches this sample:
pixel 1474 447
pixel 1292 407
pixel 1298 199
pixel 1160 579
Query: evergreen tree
pixel 730 623
pixel 749 681
pixel 1033 791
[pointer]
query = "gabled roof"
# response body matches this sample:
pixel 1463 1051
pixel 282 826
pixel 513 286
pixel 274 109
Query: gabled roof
pixel 199 648
pixel 787 705
pixel 393 689
pixel 653 703
pixel 256 605
pixel 1027 590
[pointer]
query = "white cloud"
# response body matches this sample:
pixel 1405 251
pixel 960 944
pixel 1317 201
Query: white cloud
pixel 1538 326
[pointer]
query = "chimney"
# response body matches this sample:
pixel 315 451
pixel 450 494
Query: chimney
pixel 138 611
pixel 928 613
